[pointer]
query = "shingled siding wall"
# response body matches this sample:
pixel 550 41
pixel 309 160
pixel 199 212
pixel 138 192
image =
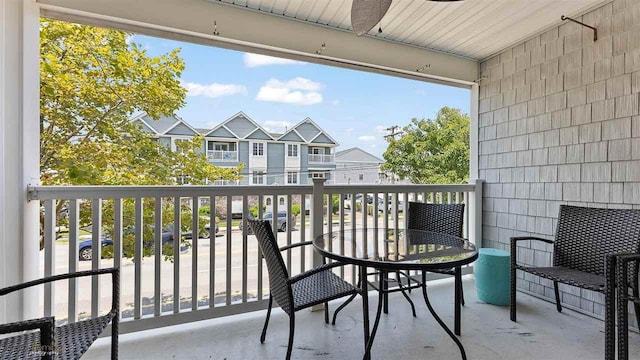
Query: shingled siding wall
pixel 559 124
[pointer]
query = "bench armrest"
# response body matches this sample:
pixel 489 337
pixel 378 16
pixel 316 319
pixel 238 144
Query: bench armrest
pixel 47 328
pixel 522 238
pixel 627 257
pixel 514 242
pixel 115 278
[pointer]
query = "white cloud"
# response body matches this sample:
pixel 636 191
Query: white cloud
pixel 213 90
pixel 299 91
pixel 256 60
pixel 335 102
pixel 367 138
pixel 276 126
pixel 349 130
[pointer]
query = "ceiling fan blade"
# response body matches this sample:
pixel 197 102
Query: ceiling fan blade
pixel 365 14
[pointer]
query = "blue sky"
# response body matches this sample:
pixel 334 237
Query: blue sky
pixel 352 106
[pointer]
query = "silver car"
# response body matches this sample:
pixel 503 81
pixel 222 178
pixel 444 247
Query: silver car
pixel 282 220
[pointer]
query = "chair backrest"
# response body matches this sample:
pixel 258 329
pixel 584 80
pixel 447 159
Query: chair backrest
pixel 278 274
pixel 586 235
pixel 443 218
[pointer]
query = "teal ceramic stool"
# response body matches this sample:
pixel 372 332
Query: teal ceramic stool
pixel 492 275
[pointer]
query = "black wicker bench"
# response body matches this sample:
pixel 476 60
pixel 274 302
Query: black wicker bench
pixel 585 237
pixel 68 341
pixel 624 277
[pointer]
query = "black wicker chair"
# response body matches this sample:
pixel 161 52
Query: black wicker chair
pixel 584 239
pixel 313 287
pixel 624 276
pixel 442 218
pixel 69 341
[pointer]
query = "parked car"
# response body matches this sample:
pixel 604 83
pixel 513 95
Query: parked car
pixel 389 204
pixel 369 198
pixel 347 200
pixel 204 234
pixel 282 220
pixel 85 251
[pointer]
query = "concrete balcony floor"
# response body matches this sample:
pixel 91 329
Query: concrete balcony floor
pixel 487 333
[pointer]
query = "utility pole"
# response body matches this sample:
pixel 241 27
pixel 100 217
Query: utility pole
pixel 393 131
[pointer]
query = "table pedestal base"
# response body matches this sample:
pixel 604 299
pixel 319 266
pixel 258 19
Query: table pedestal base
pixel 381 300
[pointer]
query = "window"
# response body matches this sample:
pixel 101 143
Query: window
pixel 292 150
pixel 258 178
pixel 361 177
pixel 316 151
pixel 183 179
pixel 317 175
pixel 292 177
pixel 258 149
pixel 281 203
pixel 177 141
pixel 268 201
pixel 221 146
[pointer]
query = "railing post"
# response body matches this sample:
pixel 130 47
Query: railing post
pixel 317 213
pixel 475 213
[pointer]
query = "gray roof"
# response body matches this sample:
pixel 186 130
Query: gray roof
pixel 356 151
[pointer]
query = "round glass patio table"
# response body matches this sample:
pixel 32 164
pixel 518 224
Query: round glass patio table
pixel 399 250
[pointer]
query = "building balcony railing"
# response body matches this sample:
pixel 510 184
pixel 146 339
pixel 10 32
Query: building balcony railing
pixel 222 155
pixel 322 159
pixel 221 271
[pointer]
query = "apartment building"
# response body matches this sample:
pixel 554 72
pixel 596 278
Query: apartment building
pixel 294 157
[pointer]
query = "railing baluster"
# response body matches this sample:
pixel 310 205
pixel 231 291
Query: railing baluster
pixel 74 232
pixel 245 268
pixel 354 220
pixel 157 258
pixel 341 217
pixel 386 211
pixel 465 200
pixel 195 234
pixel 449 198
pixel 396 217
pixel 365 209
pixel 376 239
pixel 96 253
pixel 228 264
pixel 330 220
pixel 50 255
pixel 274 217
pixel 138 252
pixel 303 219
pixel 177 236
pixel 288 221
pixel 212 252
pixel 260 290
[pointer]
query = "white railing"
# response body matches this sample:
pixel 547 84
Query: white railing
pixel 166 282
pixel 221 155
pixel 322 158
pixel 224 182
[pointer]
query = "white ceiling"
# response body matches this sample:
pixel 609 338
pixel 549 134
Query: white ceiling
pixel 474 29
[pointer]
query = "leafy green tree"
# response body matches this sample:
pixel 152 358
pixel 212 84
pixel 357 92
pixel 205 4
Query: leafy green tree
pixel 431 151
pixel 92 80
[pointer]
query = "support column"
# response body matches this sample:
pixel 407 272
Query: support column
pixel 474 128
pixel 475 213
pixel 19 155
